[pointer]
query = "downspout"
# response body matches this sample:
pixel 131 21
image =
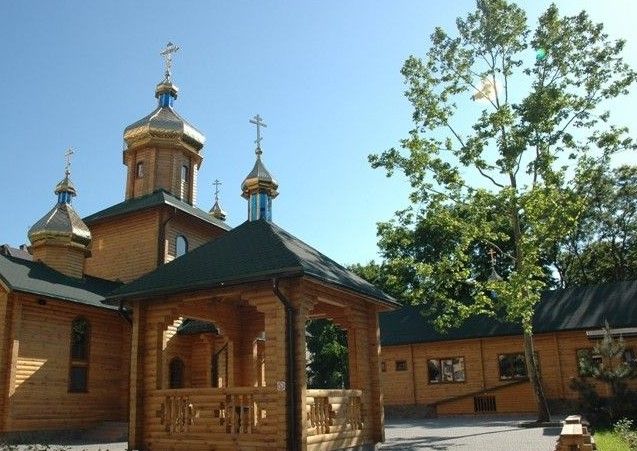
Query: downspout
pixel 123 313
pixel 290 375
pixel 161 239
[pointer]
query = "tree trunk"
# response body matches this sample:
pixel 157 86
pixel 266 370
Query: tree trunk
pixel 534 378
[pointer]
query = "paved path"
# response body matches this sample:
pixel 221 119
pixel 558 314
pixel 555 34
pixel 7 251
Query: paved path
pixel 483 433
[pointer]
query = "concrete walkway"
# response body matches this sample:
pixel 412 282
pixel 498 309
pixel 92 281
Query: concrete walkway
pixel 483 433
pixel 467 433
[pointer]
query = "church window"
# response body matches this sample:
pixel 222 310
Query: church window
pixel 183 181
pixel 139 169
pixel 80 340
pixel 181 245
pixel 446 370
pixel 176 370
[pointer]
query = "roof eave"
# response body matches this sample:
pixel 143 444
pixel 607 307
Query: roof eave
pixel 286 273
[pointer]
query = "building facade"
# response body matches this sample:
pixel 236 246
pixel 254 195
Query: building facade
pixel 479 367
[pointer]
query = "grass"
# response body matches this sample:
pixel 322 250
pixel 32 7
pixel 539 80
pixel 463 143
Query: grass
pixel 609 440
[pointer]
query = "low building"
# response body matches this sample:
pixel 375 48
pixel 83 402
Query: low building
pixel 479 367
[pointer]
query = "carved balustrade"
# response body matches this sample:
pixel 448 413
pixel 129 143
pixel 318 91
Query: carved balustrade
pixel 333 411
pixel 237 411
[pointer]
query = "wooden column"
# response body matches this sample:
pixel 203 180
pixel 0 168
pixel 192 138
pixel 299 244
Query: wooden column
pixel 359 358
pixel 136 406
pixel 302 307
pixel 275 363
pixel 376 409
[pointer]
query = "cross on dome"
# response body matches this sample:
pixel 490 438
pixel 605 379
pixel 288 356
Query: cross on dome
pixel 67 167
pixel 167 53
pixel 258 121
pixel 217 184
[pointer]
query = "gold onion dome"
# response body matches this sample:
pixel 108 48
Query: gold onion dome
pixel 62 223
pixel 217 212
pixel 259 179
pixel 164 122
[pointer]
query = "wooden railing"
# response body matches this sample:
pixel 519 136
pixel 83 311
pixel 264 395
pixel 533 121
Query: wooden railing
pixel 231 412
pixel 336 412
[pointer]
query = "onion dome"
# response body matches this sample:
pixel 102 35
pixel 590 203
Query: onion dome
pixel 61 223
pixel 164 122
pixel 259 187
pixel 216 211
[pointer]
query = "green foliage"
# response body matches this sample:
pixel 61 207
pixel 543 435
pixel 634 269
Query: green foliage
pixel 625 430
pixel 613 370
pixel 603 247
pixel 607 440
pixel 327 345
pixel 507 179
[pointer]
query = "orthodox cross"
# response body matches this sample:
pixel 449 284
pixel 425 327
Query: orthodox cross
pixel 492 254
pixel 167 53
pixel 258 121
pixel 67 166
pixel 217 184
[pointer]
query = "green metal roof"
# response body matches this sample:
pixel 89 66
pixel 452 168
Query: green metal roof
pixel 559 310
pixel 257 250
pixel 191 326
pixel 159 197
pixel 36 278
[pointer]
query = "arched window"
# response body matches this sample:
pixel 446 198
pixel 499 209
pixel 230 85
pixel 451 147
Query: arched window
pixel 181 245
pixel 80 341
pixel 139 169
pixel 176 370
pixel 183 181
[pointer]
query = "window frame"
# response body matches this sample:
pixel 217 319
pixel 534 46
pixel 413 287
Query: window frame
pixel 186 245
pixel 139 169
pixel 79 362
pixel 399 363
pixel 440 380
pixel 514 377
pixel 595 357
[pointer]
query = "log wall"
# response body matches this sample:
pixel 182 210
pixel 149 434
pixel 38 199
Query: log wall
pixel 38 376
pixel 124 247
pixel 557 358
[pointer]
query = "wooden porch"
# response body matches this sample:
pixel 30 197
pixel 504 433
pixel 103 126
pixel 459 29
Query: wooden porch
pixel 245 400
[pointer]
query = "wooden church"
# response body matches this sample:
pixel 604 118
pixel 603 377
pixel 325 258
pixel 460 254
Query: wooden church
pixel 155 312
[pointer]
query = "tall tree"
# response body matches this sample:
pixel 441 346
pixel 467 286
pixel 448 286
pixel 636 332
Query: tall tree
pixel 504 180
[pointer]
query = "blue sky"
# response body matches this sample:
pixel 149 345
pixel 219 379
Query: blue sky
pixel 325 76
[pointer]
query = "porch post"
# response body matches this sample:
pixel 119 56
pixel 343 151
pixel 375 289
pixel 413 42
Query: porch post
pixel 376 409
pixel 359 361
pixel 136 411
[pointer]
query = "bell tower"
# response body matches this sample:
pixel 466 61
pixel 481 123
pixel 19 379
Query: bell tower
pixel 162 150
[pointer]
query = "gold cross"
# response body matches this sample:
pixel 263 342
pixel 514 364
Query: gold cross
pixel 492 254
pixel 217 184
pixel 67 167
pixel 167 53
pixel 258 121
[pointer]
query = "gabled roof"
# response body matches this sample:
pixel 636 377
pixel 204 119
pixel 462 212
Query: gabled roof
pixel 254 251
pixel 559 310
pixel 36 278
pixel 159 197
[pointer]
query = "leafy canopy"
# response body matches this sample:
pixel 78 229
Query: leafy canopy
pixel 507 121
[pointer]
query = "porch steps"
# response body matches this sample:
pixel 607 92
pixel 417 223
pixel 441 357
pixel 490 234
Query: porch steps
pixel 107 432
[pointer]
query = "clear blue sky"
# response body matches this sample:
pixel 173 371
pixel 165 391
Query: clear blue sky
pixel 324 75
